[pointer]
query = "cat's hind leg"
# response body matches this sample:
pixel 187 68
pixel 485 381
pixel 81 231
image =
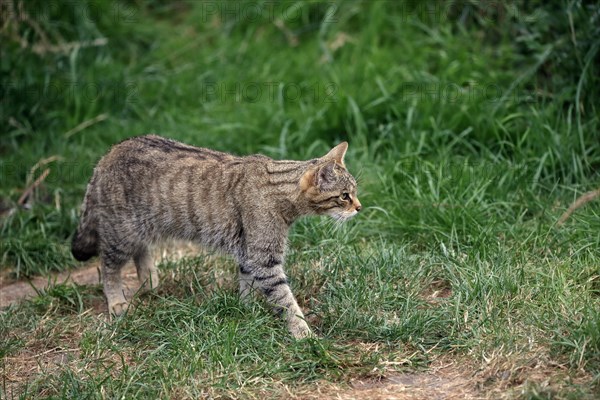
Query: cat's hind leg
pixel 247 285
pixel 146 269
pixel 113 284
pixel 114 254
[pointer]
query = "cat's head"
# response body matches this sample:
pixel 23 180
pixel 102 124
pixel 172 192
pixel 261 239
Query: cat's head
pixel 329 188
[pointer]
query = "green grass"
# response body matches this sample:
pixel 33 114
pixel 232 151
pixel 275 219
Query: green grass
pixel 471 130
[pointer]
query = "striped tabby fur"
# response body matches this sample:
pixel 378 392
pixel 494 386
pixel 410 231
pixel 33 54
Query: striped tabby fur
pixel 150 188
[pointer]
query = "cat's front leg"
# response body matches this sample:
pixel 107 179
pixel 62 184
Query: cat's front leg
pixel 272 281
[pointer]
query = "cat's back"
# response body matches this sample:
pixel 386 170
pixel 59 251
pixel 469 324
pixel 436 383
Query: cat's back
pixel 174 171
pixel 152 150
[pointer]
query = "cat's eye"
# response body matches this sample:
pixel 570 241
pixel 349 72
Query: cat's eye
pixel 346 196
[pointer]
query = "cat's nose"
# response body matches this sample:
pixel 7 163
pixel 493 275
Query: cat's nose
pixel 358 207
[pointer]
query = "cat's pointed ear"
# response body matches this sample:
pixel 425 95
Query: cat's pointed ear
pixel 337 153
pixel 319 176
pixel 326 174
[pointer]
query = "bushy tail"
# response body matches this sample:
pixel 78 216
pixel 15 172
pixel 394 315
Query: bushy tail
pixel 85 241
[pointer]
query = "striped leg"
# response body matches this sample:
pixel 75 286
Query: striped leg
pixel 273 283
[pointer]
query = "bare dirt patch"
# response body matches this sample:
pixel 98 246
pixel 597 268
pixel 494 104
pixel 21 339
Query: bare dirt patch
pixel 12 292
pixel 443 381
pixel 459 378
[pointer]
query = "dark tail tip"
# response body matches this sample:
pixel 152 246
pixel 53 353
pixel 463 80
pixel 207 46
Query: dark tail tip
pixel 83 248
pixel 82 256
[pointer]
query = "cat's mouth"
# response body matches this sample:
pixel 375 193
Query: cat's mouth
pixel 342 216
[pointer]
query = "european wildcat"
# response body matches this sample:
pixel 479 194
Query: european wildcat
pixel 150 188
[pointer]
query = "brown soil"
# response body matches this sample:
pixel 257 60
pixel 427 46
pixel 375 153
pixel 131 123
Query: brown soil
pixel 443 381
pixel 13 292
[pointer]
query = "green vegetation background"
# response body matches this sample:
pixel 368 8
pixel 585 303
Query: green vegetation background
pixel 472 127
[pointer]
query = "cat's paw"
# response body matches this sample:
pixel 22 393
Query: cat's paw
pixel 300 330
pixel 117 309
pixel 307 334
